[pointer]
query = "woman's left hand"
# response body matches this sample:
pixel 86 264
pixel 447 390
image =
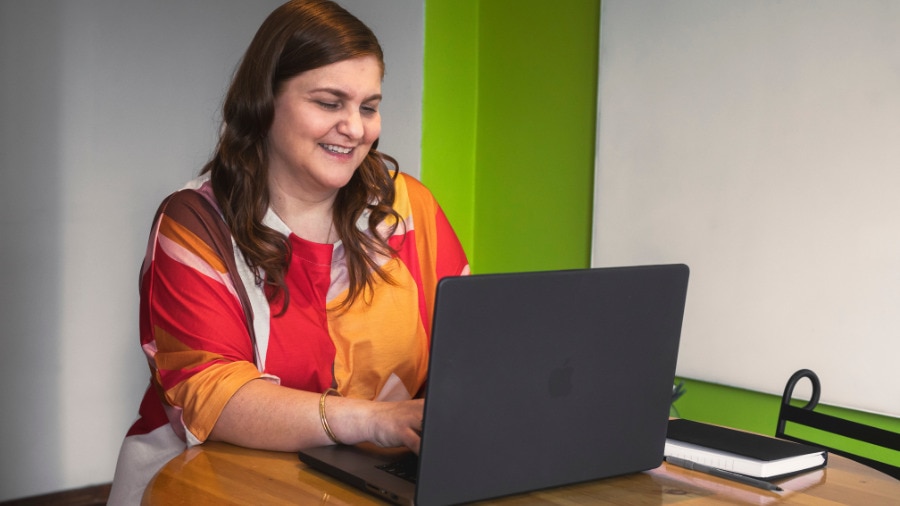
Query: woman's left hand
pixel 392 424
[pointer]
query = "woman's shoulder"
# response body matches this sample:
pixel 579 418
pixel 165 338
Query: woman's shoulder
pixel 194 208
pixel 191 217
pixel 196 195
pixel 412 187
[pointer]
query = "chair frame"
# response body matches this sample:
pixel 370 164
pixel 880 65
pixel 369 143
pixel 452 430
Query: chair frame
pixel 806 416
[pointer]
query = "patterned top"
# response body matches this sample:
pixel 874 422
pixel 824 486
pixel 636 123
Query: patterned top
pixel 207 328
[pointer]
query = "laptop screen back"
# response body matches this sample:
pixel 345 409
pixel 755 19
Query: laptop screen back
pixel 543 379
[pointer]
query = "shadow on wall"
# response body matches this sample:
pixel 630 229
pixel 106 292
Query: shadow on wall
pixel 29 227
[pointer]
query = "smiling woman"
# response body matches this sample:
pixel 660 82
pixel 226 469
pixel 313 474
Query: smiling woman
pixel 325 123
pixel 300 264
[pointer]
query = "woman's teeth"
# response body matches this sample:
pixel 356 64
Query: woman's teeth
pixel 337 149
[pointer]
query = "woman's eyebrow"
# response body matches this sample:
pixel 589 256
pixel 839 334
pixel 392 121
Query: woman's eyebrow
pixel 344 95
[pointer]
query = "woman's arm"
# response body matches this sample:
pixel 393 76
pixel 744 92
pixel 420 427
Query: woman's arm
pixel 264 415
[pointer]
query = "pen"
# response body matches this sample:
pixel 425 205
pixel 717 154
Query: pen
pixel 722 473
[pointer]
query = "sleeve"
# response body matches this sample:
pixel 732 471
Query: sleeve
pixel 439 252
pixel 194 327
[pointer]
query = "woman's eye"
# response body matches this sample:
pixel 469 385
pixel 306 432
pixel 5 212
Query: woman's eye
pixel 369 110
pixel 328 105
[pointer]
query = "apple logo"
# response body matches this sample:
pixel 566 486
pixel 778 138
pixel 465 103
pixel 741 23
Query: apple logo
pixel 560 383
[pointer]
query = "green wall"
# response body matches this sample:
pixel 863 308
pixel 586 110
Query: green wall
pixel 509 128
pixel 449 111
pixel 508 149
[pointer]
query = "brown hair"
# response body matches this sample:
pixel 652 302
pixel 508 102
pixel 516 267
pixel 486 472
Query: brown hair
pixel 298 36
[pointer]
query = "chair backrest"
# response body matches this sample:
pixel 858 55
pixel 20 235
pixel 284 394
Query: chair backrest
pixel 806 416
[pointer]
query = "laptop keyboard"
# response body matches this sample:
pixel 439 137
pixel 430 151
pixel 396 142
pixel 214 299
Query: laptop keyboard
pixel 406 468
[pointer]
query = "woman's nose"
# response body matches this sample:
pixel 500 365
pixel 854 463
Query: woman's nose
pixel 351 125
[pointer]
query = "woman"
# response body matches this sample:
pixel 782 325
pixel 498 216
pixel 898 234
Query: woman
pixel 299 265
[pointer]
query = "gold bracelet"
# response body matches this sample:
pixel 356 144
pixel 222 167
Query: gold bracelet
pixel 325 425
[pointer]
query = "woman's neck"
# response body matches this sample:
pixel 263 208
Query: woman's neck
pixel 308 217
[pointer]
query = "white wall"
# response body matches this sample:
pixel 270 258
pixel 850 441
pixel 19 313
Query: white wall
pixel 107 107
pixel 758 143
pixel 400 27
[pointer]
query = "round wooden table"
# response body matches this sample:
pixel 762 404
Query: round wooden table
pixel 222 474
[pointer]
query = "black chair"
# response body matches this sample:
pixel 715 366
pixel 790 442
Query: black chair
pixel 806 416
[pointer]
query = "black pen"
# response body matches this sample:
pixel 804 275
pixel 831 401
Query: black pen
pixel 722 473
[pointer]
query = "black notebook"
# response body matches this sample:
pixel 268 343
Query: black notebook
pixel 740 452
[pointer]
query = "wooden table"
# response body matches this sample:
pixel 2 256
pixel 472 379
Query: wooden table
pixel 222 474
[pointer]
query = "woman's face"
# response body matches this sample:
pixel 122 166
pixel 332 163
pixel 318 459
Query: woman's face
pixel 326 120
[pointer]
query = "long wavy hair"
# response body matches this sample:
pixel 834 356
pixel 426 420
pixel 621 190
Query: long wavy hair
pixel 298 36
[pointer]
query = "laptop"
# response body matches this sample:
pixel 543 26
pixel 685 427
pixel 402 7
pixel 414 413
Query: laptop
pixel 536 380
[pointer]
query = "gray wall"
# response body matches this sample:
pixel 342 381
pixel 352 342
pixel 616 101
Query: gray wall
pixel 107 107
pixel 758 143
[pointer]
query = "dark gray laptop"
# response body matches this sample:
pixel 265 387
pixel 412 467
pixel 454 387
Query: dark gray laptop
pixel 536 380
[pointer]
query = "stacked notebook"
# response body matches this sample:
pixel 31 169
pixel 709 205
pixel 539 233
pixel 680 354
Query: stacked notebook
pixel 740 452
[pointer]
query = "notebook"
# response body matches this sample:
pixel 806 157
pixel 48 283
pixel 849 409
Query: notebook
pixel 536 380
pixel 740 452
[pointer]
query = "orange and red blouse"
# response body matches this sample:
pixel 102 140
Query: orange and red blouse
pixel 207 327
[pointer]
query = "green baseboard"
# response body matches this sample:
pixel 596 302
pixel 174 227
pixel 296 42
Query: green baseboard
pixel 758 412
